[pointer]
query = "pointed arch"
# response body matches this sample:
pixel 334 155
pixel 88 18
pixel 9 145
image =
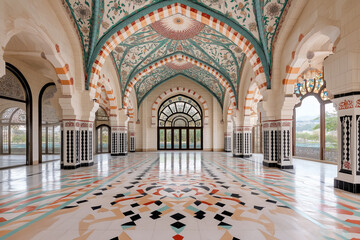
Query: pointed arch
pixel 161 10
pixel 222 80
pixel 176 91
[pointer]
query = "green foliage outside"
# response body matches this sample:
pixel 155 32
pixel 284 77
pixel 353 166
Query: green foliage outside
pixel 18 136
pixel 308 134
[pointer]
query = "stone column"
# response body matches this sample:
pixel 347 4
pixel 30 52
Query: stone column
pixel 86 143
pixel 285 144
pixel 277 142
pixel 132 136
pixel 227 134
pixel 119 135
pixel 242 141
pixel 227 141
pixel 348 176
pixel 269 143
pixel 132 142
pixel 342 75
pixel 77 130
pixel 70 142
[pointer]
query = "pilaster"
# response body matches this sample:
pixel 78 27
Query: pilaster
pixel 132 142
pixel 277 140
pixel 348 176
pixel 242 142
pixel 227 141
pixel 86 143
pixel 70 142
pixel 119 141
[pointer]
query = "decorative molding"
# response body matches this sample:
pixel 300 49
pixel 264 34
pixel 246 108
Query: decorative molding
pixel 346 104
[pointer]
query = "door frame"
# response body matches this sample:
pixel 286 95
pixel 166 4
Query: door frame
pixel 180 138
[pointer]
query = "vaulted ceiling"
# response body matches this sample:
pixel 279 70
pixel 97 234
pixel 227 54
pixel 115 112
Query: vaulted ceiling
pixel 258 19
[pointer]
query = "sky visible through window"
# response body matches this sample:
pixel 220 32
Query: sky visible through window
pixel 308 110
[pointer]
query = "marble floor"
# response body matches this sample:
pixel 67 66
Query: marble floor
pixel 7 161
pixel 176 195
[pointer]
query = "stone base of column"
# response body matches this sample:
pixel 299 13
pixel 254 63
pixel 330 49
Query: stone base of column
pixel 87 164
pixel 347 186
pixel 119 154
pixel 70 167
pixel 242 155
pixel 285 166
pixel 276 165
pixel 270 164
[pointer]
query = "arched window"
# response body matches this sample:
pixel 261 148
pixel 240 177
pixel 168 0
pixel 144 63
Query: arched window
pixel 13 126
pixel 50 126
pixel 180 124
pixel 315 119
pixel 15 119
pixel 102 131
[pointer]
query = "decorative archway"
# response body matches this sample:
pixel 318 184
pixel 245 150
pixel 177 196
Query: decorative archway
pixel 26 99
pixel 320 140
pixel 222 80
pixel 180 124
pixel 108 98
pixel 49 128
pixel 318 43
pixel 129 26
pixel 50 51
pixel 176 91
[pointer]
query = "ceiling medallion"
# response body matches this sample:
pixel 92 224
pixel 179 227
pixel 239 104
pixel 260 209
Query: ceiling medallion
pixel 178 27
pixel 179 64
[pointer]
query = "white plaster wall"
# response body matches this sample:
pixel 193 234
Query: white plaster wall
pixel 146 135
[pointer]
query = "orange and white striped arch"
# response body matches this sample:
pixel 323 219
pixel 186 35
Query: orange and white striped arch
pixel 106 99
pixel 172 58
pixel 62 70
pixel 189 12
pixel 130 112
pixel 319 41
pixel 253 97
pixel 175 91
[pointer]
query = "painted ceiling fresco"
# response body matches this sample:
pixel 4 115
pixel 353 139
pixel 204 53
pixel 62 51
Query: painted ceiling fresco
pixel 147 46
pixel 170 70
pixel 94 18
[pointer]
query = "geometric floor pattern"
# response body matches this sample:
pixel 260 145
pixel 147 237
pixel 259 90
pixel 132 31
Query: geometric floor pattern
pixel 177 195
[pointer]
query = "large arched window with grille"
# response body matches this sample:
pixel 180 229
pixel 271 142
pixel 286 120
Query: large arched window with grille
pixel 15 119
pixel 315 119
pixel 180 124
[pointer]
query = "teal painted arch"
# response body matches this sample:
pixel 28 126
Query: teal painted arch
pixel 137 15
pixel 190 78
pixel 187 55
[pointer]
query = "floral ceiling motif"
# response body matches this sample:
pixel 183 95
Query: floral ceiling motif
pixel 81 11
pixel 258 18
pixel 164 73
pixel 178 27
pixel 243 12
pixel 149 45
